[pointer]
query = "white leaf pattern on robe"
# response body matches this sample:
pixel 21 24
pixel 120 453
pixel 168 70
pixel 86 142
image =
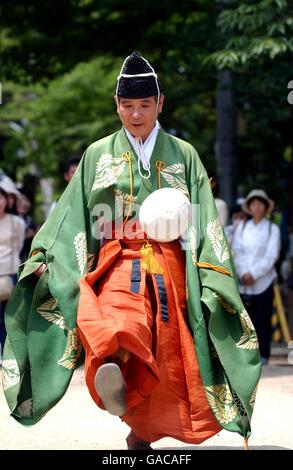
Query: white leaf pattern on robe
pixel 72 350
pixel 10 373
pixel 122 201
pixel 50 312
pixel 175 177
pixel 225 304
pixel 193 239
pixel 221 402
pixel 80 244
pixel 108 170
pixel 216 236
pixel 253 397
pixel 249 339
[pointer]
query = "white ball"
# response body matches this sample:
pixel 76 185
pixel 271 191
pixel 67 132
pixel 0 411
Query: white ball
pixel 164 214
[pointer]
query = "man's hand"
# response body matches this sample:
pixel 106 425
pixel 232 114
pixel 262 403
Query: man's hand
pixel 248 279
pixel 40 270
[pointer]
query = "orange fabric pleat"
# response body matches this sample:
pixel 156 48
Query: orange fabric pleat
pixel 164 391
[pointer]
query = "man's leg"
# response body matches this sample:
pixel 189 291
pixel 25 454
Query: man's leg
pixel 110 387
pixel 110 384
pixel 135 443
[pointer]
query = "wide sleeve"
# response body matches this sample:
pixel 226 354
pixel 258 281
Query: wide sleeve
pixel 43 347
pixel 224 337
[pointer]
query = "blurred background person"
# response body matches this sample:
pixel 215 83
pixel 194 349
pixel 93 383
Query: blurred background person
pixel 237 215
pixel 8 185
pixel 256 248
pixel 12 232
pixel 68 172
pixel 70 168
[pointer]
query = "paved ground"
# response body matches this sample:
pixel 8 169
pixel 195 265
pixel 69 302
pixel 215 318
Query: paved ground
pixel 76 422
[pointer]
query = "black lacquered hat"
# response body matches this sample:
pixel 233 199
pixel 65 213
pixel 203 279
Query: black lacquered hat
pixel 137 79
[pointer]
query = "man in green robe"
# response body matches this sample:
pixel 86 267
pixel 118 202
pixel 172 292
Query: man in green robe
pixel 43 339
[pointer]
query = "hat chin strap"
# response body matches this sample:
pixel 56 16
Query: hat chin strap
pixel 142 158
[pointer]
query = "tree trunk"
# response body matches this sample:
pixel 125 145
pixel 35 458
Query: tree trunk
pixel 226 137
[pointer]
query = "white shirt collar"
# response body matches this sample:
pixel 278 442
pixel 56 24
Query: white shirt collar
pixel 148 145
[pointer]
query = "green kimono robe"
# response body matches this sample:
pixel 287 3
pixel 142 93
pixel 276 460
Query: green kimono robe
pixel 43 346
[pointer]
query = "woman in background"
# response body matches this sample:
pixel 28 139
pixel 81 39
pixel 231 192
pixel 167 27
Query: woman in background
pixel 256 247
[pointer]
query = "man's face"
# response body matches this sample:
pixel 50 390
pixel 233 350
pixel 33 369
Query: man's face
pixel 138 116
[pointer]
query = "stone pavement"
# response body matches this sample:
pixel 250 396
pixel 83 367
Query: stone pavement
pixel 76 423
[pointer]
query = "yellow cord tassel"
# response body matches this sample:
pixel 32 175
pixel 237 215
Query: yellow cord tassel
pixel 246 443
pixel 148 260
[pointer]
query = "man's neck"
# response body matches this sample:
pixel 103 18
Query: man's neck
pixel 156 126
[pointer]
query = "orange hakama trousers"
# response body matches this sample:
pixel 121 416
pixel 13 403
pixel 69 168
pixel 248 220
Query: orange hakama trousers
pixel 122 306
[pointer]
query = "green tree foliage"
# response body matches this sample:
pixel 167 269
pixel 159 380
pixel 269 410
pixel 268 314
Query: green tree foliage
pixel 61 118
pixel 172 36
pixel 254 30
pixel 59 63
pixel 48 123
pixel 257 45
pixel 43 40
